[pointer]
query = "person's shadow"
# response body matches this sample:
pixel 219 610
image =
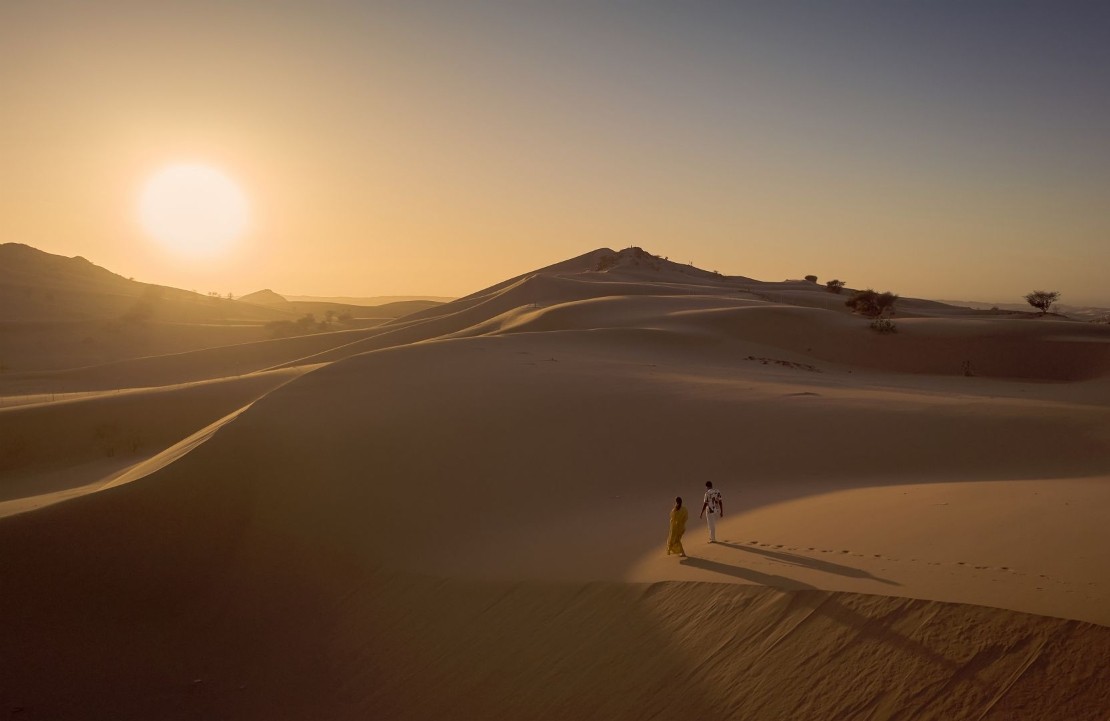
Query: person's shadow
pixel 816 564
pixel 830 604
pixel 746 574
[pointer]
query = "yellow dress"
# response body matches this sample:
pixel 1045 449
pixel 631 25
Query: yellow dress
pixel 678 527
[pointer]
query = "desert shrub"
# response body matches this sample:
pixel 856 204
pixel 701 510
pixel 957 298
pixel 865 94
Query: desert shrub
pixel 811 278
pixel 302 326
pixel 282 328
pixel 883 326
pixel 1042 300
pixel 834 286
pixel 871 303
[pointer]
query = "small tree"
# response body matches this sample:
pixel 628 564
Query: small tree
pixel 835 286
pixel 1042 299
pixel 871 303
pixel 811 278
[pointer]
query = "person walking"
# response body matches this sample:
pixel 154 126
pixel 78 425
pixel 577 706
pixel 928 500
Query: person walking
pixel 713 508
pixel 679 514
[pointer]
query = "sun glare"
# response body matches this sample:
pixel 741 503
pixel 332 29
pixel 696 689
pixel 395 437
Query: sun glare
pixel 193 209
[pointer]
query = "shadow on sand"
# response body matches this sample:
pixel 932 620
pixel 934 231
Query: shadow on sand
pixel 794 559
pixel 764 579
pixel 825 603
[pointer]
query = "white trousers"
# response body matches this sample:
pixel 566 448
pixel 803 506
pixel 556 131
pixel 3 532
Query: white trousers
pixel 711 521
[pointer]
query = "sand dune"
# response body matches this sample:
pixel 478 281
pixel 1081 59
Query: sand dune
pixel 53 451
pixel 176 368
pixel 460 514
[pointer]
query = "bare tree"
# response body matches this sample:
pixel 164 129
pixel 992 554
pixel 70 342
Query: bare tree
pixel 1042 299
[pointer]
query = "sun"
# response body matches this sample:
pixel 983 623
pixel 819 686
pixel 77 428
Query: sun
pixel 193 209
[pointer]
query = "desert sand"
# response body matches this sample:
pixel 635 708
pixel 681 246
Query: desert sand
pixel 461 512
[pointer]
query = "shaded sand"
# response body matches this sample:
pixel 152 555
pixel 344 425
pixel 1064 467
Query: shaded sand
pixel 461 514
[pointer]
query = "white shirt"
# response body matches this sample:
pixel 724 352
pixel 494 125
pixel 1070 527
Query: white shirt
pixel 713 500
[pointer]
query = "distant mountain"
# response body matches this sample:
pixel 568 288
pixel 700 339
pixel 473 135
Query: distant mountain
pixel 38 286
pixel 377 300
pixel 322 307
pixel 264 297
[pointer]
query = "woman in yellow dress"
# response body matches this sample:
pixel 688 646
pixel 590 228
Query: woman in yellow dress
pixel 678 527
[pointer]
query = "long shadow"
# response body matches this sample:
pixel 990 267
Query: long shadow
pixel 765 579
pixel 805 561
pixel 830 603
pixel 881 630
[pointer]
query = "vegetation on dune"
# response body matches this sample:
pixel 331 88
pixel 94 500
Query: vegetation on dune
pixel 883 326
pixel 1042 300
pixel 878 306
pixel 834 286
pixel 304 325
pixel 871 303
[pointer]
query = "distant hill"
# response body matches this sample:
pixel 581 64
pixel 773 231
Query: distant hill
pixel 40 286
pixel 371 300
pixel 264 297
pixel 1078 312
pixel 321 307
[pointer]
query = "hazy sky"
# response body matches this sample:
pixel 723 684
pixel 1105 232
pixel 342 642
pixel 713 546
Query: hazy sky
pixel 936 149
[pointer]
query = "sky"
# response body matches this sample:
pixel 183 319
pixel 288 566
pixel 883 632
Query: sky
pixel 955 150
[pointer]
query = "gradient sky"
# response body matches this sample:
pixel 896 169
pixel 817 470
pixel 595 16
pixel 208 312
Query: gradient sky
pixel 936 149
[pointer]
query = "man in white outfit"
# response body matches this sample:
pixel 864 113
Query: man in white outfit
pixel 712 507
